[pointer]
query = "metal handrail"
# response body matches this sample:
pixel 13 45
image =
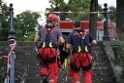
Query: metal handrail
pixel 118 40
pixel 9 77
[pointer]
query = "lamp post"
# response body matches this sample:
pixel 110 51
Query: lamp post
pixel 11 29
pixel 106 37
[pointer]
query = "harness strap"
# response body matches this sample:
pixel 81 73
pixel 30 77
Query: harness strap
pixel 83 47
pixel 50 60
pixel 89 66
pixel 51 52
pixel 87 57
pixel 84 34
pixel 79 49
pixel 47 42
pixel 73 66
pixel 51 30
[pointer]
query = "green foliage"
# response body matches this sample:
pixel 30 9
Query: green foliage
pixel 122 75
pixel 4 26
pixel 120 34
pixel 73 6
pixel 25 23
pixel 30 36
pixel 121 49
pixel 113 13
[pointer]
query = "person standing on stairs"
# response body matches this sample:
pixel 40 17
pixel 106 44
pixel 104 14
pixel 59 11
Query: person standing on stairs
pixel 47 49
pixel 80 41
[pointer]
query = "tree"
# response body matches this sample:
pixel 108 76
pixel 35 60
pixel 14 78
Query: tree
pixel 120 14
pixel 93 17
pixel 71 6
pixel 25 23
pixel 4 25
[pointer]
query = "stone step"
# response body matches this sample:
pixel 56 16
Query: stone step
pixel 23 58
pixel 61 80
pixel 26 63
pixel 27 67
pixel 104 80
pixel 30 80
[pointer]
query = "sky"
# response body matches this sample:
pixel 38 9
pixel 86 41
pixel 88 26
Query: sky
pixel 40 5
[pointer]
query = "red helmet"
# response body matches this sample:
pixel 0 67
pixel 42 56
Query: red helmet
pixel 53 17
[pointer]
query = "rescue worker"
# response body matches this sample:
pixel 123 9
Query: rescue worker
pixel 49 35
pixel 80 41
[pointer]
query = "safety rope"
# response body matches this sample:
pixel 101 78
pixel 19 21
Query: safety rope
pixel 66 67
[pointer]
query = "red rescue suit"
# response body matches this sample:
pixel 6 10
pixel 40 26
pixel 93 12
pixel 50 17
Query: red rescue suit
pixel 81 56
pixel 81 60
pixel 50 58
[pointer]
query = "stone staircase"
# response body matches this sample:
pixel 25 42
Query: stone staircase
pixel 102 70
pixel 27 69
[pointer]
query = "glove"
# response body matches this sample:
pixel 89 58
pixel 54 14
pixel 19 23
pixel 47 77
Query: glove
pixel 37 56
pixel 39 60
pixel 37 50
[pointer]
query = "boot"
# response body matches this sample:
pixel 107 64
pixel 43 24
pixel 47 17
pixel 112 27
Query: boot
pixel 44 78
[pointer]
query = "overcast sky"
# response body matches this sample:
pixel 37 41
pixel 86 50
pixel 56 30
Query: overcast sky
pixel 40 5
